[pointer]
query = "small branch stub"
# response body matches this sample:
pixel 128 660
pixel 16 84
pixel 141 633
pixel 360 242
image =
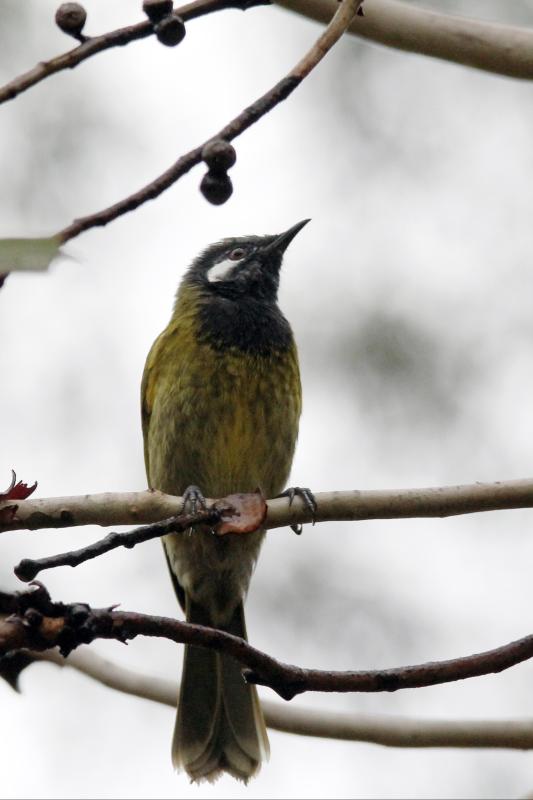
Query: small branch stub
pixel 71 18
pixel 170 31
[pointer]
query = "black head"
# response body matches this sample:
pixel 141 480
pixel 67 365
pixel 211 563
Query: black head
pixel 244 267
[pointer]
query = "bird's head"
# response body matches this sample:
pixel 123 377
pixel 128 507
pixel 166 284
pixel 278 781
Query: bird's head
pixel 244 267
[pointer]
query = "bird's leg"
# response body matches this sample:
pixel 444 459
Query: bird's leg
pixel 193 499
pixel 308 500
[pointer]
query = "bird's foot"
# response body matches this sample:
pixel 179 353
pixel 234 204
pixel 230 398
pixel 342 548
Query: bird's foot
pixel 193 500
pixel 308 499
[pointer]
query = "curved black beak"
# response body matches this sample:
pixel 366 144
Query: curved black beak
pixel 280 243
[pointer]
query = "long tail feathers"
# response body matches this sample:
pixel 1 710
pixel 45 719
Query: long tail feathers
pixel 220 725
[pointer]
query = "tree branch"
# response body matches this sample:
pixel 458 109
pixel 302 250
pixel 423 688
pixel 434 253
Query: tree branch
pixel 117 38
pixel 503 49
pixel 29 568
pixel 384 729
pixel 341 19
pixel 133 508
pixel 39 624
pixel 238 513
pixel 397 731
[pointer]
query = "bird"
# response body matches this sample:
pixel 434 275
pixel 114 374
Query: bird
pixel 221 401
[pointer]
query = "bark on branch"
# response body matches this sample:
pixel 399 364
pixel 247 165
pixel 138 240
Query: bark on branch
pixel 503 49
pixel 134 508
pixel 39 624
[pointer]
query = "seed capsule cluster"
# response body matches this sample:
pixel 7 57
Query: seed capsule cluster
pixel 168 27
pixel 216 185
pixel 155 10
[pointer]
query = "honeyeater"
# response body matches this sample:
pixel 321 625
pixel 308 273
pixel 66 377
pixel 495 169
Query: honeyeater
pixel 221 401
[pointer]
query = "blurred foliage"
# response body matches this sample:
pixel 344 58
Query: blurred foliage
pixel 51 132
pixel 17 20
pixel 402 372
pixel 342 609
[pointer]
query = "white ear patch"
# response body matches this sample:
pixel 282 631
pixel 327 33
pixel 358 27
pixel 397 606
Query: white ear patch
pixel 220 271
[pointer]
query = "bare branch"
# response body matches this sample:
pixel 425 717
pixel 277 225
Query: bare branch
pixel 503 49
pixel 40 624
pixel 397 731
pixel 29 568
pixel 384 729
pixel 242 122
pixel 133 508
pixel 289 681
pixel 118 38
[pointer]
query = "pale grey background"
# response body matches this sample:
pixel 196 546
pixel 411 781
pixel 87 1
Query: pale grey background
pixel 410 294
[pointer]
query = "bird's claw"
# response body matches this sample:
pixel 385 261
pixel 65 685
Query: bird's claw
pixel 297 528
pixel 309 502
pixel 193 499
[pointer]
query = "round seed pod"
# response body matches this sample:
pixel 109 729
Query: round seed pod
pixel 71 18
pixel 155 10
pixel 219 155
pixel 216 187
pixel 170 31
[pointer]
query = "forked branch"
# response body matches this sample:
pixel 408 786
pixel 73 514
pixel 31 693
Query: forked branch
pixel 39 624
pixel 239 514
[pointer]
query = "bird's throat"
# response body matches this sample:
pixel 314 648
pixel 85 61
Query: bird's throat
pixel 247 325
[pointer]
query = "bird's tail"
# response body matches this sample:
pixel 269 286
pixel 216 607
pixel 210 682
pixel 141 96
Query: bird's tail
pixel 220 725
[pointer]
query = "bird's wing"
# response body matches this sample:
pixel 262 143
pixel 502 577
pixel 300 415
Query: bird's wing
pixel 149 382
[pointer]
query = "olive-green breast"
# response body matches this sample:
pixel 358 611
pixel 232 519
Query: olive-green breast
pixel 217 416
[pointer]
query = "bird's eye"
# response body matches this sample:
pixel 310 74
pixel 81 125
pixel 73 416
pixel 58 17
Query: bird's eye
pixel 237 254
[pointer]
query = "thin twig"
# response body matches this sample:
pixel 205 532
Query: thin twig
pixel 29 568
pixel 41 624
pixel 242 122
pixel 117 38
pixel 134 508
pixel 488 46
pixel 383 729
